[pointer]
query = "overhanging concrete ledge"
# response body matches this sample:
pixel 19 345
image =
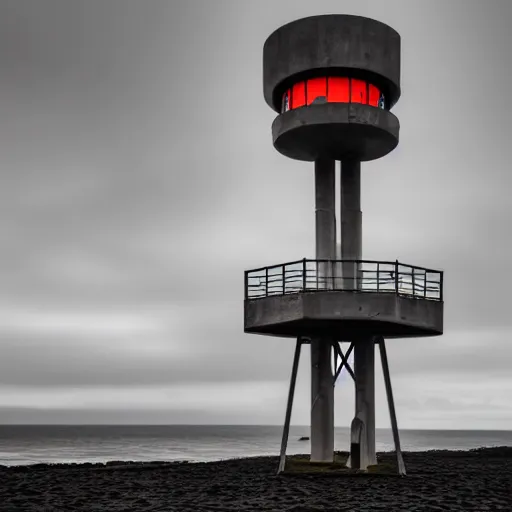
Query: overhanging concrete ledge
pixel 345 315
pixel 333 130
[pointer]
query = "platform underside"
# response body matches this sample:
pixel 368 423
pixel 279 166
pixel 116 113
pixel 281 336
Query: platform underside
pixel 335 131
pixel 343 315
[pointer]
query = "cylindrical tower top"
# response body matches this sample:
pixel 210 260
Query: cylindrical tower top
pixel 331 45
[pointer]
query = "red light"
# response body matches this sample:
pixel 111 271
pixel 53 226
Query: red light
pixel 374 96
pixel 337 90
pixel 358 88
pixel 316 87
pixel 298 95
pixel 332 90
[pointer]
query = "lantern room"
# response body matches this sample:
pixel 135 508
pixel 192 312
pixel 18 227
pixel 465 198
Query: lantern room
pixel 332 80
pixel 332 90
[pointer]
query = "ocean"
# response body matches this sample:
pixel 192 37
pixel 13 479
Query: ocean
pixel 33 444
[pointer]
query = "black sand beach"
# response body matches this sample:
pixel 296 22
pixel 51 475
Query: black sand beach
pixel 477 480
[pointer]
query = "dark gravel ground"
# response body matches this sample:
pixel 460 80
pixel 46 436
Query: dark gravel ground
pixel 479 480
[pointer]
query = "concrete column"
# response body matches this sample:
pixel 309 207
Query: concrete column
pixel 322 389
pixel 325 218
pixel 364 371
pixel 350 220
pixel 363 425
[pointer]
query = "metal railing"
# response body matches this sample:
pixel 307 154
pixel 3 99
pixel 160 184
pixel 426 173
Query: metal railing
pixel 363 276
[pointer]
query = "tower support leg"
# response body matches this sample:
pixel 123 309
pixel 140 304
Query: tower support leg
pixel 391 405
pixel 289 405
pixel 322 391
pixel 351 223
pixel 322 407
pixel 363 425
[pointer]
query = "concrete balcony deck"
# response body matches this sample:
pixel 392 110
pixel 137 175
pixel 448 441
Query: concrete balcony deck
pixel 310 298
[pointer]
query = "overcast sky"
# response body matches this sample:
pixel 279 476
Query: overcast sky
pixel 139 181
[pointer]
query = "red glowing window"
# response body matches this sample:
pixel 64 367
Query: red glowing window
pixel 299 95
pixel 373 100
pixel 358 89
pixel 337 90
pixel 333 90
pixel 317 87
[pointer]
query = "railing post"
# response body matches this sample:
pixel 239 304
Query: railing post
pixel 266 281
pixel 413 283
pixel 396 277
pixel 284 281
pixel 246 284
pixel 304 282
pixel 441 286
pixel 378 276
pixel 425 286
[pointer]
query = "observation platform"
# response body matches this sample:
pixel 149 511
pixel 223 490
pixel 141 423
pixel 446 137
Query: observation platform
pixel 310 298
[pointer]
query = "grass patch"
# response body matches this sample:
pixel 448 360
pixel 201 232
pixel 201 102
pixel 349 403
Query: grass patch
pixel 383 468
pixel 300 464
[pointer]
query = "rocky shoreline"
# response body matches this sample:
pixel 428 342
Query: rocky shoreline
pixel 476 480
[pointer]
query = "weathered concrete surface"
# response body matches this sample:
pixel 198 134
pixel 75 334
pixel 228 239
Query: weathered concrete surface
pixel 363 424
pixel 328 45
pixel 346 315
pixel 322 401
pixel 325 214
pixel 322 390
pixel 364 371
pixel 336 131
pixel 351 222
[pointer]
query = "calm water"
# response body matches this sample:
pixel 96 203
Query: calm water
pixel 29 444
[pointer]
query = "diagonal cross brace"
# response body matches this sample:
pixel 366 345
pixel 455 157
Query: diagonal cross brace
pixel 344 361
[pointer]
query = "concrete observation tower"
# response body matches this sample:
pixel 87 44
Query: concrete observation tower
pixel 332 81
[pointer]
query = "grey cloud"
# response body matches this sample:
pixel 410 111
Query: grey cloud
pixel 138 172
pixel 459 353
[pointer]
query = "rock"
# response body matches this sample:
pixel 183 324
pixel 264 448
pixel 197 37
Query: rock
pixel 304 438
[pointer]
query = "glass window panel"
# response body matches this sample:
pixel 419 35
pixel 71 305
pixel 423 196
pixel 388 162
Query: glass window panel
pixel 298 95
pixel 374 96
pixel 317 87
pixel 358 91
pixel 338 90
pixel 286 101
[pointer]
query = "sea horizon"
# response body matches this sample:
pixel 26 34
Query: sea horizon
pixel 26 444
pixel 296 425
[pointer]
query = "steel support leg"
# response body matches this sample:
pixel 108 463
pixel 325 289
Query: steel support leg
pixel 289 405
pixel 391 405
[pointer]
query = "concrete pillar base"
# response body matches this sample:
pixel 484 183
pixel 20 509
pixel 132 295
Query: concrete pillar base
pixel 357 434
pixel 363 425
pixel 322 402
